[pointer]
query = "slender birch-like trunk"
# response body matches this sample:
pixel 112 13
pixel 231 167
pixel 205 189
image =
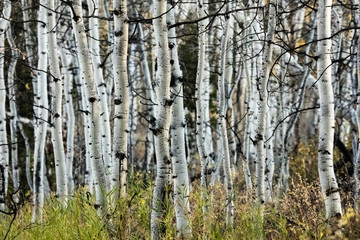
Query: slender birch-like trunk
pixel 263 108
pixel 67 79
pixel 328 181
pixel 180 170
pixel 57 91
pixel 149 94
pixel 121 99
pixel 200 116
pixel 4 149
pixel 13 111
pixel 357 162
pixel 93 107
pixel 42 114
pixel 222 107
pixel 94 44
pixel 163 119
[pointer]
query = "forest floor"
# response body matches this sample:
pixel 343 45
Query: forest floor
pixel 299 214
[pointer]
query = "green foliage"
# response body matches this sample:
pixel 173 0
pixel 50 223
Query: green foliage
pixel 299 215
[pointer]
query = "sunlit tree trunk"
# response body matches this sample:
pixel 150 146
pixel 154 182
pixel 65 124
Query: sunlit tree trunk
pixel 328 181
pixel 57 91
pixel 180 171
pixel 222 114
pixel 94 45
pixel 4 148
pixel 200 115
pixel 263 108
pixel 163 119
pixel 42 113
pixel 121 98
pixel 67 79
pixel 93 107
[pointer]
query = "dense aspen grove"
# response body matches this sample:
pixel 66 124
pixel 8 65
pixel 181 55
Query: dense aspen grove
pixel 164 119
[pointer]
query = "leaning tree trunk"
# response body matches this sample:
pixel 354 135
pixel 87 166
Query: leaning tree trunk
pixel 161 127
pixel 328 181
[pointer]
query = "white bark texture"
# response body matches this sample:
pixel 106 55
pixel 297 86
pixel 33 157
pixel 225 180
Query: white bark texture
pixel 13 111
pixel 121 99
pixel 163 118
pixel 93 107
pixel 94 44
pixel 222 112
pixel 4 149
pixel 200 115
pixel 42 114
pixel 67 79
pixel 328 182
pixel 180 170
pixel 357 162
pixel 57 92
pixel 263 108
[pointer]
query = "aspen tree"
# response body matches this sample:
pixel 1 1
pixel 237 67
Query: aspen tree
pixel 42 114
pixel 67 79
pixel 13 111
pixel 328 181
pixel 149 94
pixel 57 91
pixel 222 108
pixel 263 107
pixel 94 45
pixel 163 118
pixel 121 99
pixel 200 115
pixel 93 107
pixel 30 58
pixel 4 149
pixel 357 162
pixel 180 170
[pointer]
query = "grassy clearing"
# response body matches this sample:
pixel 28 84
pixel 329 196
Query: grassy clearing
pixel 299 214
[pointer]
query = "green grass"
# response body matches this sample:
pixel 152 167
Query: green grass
pixel 299 215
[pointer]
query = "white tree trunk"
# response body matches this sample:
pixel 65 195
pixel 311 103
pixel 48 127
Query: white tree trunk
pixel 180 170
pixel 357 162
pixel 200 115
pixel 42 114
pixel 222 107
pixel 70 120
pixel 4 148
pixel 94 44
pixel 328 182
pixel 121 98
pixel 13 111
pixel 93 107
pixel 263 108
pixel 57 91
pixel 163 118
